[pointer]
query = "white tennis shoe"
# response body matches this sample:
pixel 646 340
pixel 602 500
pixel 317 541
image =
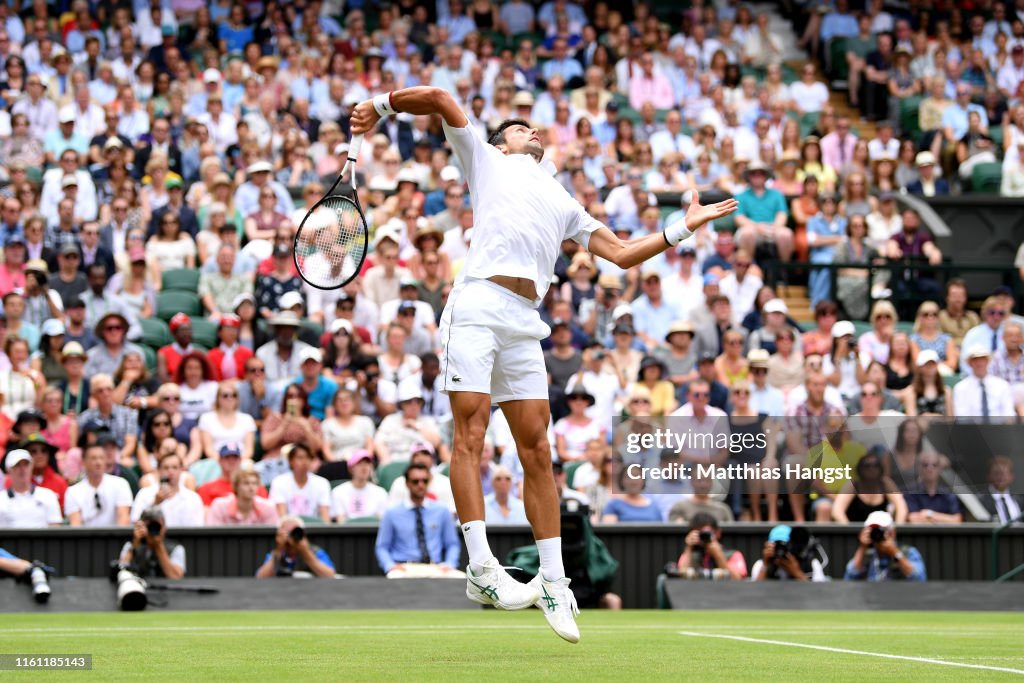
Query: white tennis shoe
pixel 558 604
pixel 493 586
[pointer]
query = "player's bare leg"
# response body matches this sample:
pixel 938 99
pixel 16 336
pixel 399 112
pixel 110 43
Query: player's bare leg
pixel 486 581
pixel 528 421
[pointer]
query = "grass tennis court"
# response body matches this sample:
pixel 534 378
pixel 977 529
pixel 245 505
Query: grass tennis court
pixel 487 645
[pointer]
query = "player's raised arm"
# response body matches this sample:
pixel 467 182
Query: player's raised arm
pixel 628 253
pixel 419 101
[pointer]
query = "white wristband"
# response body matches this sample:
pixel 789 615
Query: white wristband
pixel 382 103
pixel 677 232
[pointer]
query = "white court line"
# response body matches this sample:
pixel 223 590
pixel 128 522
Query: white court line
pixel 840 650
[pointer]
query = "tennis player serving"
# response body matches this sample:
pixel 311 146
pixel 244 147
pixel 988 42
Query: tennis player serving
pixel 491 330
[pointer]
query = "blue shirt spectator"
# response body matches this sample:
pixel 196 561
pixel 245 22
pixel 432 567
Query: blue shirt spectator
pixel 567 68
pixel 877 568
pixel 397 541
pixel 838 25
pixel 627 512
pixel 321 396
pixel 494 515
pixel 954 118
pixel 763 207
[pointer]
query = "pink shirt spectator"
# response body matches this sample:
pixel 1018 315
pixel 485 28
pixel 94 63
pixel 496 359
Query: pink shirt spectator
pixel 9 281
pixel 657 90
pixel 836 153
pixel 224 512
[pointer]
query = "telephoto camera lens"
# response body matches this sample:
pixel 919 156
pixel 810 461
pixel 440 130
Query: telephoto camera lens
pixel 40 585
pixel 153 528
pixel 877 534
pixel 297 534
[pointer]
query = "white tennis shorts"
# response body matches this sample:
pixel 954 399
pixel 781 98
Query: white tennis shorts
pixel 491 343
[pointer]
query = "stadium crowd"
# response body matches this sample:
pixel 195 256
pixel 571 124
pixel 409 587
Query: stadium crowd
pixel 159 346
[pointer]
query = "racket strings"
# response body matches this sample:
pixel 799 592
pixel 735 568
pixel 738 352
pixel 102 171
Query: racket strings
pixel 331 243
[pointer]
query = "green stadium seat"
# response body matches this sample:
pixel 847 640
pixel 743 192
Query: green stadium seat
pixel 204 332
pixel 310 519
pixel 386 474
pixel 181 279
pixel 175 301
pixel 444 469
pixel 570 472
pixel 155 332
pixel 204 471
pixel 951 380
pixel 987 178
pixel 908 123
pixel 150 355
pixel 996 133
pixel 312 325
pixel 362 520
pixel 840 70
pixel 905 326
pixel 808 122
pixel 335 483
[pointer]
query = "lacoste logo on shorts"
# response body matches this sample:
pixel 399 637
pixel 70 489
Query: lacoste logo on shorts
pixel 456 379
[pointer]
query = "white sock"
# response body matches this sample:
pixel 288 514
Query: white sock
pixel 475 534
pixel 550 550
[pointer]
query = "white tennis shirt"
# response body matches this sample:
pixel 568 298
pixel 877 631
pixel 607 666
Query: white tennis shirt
pixel 521 214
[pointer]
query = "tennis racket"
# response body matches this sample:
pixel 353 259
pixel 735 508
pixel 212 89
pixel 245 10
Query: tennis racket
pixel 331 242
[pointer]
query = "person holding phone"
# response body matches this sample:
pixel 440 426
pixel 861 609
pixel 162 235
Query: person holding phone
pixel 293 554
pixel 179 506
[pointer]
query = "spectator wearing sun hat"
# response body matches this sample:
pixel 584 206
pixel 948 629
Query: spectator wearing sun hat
pixel 980 395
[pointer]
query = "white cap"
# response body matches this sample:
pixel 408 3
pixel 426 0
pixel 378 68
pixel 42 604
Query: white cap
pixel 16 456
pixel 341 148
pixel 310 353
pixel 450 173
pixel 341 324
pixel 776 306
pixel 53 327
pixel 211 76
pixel 259 167
pixel 408 390
pixel 289 300
pixel 879 518
pixel 67 115
pixel 978 351
pixel 408 175
pixel 621 310
pixel 927 356
pixel 69 180
pixel 842 328
pixel 386 232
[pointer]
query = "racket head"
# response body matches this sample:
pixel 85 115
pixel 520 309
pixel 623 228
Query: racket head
pixel 330 246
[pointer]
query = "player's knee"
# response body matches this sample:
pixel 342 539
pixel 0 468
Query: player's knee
pixel 469 437
pixel 536 454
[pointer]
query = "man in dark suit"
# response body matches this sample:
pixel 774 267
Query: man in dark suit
pixel 175 205
pixel 399 133
pixel 93 251
pixel 928 185
pixel 1002 505
pixel 158 140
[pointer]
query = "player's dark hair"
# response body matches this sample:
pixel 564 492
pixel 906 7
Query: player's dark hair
pixel 498 136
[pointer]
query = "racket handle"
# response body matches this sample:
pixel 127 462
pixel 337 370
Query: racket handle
pixel 353 148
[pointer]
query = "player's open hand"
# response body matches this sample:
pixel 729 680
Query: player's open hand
pixel 364 117
pixel 697 215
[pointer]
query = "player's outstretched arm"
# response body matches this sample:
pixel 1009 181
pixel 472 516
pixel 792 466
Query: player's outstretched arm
pixel 628 253
pixel 419 101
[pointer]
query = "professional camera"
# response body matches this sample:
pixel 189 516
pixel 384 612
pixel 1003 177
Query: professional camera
pixel 877 534
pixel 705 537
pixel 131 588
pixel 781 550
pixel 36 577
pixel 297 534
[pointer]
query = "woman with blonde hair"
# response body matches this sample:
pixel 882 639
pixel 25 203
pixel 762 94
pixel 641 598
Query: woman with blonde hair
pixel 875 342
pixel 154 194
pixel 227 424
pixel 732 366
pixel 928 335
pixel 580 285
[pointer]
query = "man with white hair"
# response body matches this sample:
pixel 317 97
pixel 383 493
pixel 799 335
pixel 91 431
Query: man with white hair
pixel 502 506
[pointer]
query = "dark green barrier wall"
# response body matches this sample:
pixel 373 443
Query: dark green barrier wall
pixel 956 553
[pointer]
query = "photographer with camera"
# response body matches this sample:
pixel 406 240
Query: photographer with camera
pixel 149 552
pixel 879 558
pixel 293 554
pixel 22 571
pixel 789 554
pixel 704 556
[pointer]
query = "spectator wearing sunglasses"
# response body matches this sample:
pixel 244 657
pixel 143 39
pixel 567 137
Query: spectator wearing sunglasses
pixel 100 499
